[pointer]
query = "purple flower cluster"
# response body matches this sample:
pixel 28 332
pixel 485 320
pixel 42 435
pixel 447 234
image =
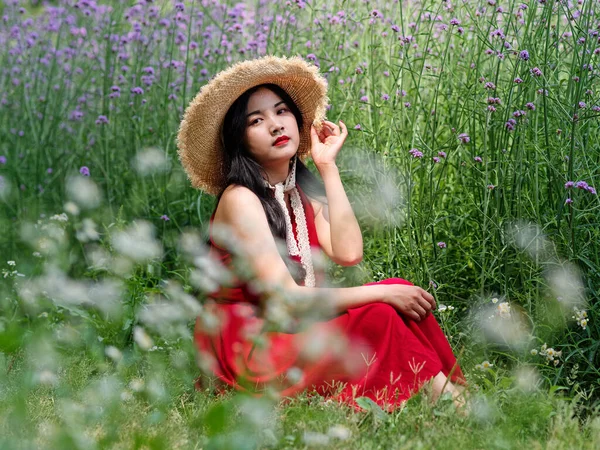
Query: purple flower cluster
pixel 536 72
pixel 524 55
pixel 101 120
pixel 416 153
pixel 464 138
pixel 510 124
pixel 580 185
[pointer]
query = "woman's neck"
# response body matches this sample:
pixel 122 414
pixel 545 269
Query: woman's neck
pixel 277 174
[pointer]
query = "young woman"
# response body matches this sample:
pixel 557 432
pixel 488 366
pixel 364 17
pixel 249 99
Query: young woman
pixel 243 139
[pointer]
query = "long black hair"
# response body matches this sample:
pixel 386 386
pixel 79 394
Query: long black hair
pixel 242 169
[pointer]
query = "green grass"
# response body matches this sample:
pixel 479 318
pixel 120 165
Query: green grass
pixel 88 406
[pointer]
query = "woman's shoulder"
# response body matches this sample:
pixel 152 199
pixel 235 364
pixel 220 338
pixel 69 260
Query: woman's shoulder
pixel 236 200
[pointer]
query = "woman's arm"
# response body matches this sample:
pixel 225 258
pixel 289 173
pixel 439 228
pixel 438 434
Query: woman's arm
pixel 337 227
pixel 241 210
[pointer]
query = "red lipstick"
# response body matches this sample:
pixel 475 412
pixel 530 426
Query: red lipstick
pixel 281 140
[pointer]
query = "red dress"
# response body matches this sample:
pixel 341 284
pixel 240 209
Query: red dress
pixel 370 351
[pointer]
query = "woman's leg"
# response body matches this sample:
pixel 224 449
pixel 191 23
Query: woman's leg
pixel 441 384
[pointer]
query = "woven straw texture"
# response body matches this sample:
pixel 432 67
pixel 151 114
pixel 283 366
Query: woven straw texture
pixel 199 137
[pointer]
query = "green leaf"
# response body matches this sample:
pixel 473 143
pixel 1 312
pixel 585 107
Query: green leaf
pixel 370 406
pixel 216 418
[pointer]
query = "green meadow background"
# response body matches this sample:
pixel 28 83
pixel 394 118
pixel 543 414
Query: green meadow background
pixel 472 164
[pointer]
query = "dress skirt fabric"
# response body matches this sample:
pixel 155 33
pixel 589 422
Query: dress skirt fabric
pixel 371 351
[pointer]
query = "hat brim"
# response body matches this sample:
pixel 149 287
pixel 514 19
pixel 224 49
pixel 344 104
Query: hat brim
pixel 199 138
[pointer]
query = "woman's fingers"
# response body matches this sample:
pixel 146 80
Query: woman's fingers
pixel 425 304
pixel 344 129
pixel 335 129
pixel 428 297
pixel 420 311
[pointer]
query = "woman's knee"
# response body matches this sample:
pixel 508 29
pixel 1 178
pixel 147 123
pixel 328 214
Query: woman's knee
pixel 392 281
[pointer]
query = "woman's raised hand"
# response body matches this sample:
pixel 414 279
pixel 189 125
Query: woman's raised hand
pixel 326 144
pixel 412 301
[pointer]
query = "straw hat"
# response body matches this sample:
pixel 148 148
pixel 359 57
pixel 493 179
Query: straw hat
pixel 199 139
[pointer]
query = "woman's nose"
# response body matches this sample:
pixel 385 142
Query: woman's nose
pixel 276 129
pixel 276 125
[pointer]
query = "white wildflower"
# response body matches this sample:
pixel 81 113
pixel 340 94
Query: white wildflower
pixel 150 161
pixel 312 438
pixel 71 208
pixel 580 317
pixel 136 385
pixel 88 231
pixel 126 396
pixel 142 339
pixel 47 377
pixel 295 375
pixel 11 263
pixel 504 310
pixel 84 192
pixel 60 217
pixel 113 353
pixel 339 432
pixel 137 242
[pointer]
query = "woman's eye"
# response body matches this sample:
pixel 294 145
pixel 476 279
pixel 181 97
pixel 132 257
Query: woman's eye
pixel 255 121
pixel 283 109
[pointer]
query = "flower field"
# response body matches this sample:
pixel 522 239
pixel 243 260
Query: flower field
pixel 473 164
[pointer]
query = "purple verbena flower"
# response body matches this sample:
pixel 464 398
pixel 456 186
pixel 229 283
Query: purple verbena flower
pixel 530 106
pixel 464 138
pixel 364 99
pixel 569 184
pixel 442 154
pixel 102 120
pixel 385 97
pixel 524 55
pixel 536 72
pixel 581 185
pixel 441 244
pixel 415 153
pixel 165 218
pixel 84 171
pixel 478 159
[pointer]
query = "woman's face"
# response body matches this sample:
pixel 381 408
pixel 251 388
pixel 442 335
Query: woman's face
pixel 268 119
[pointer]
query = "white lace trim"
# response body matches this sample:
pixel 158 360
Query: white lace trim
pixel 302 247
